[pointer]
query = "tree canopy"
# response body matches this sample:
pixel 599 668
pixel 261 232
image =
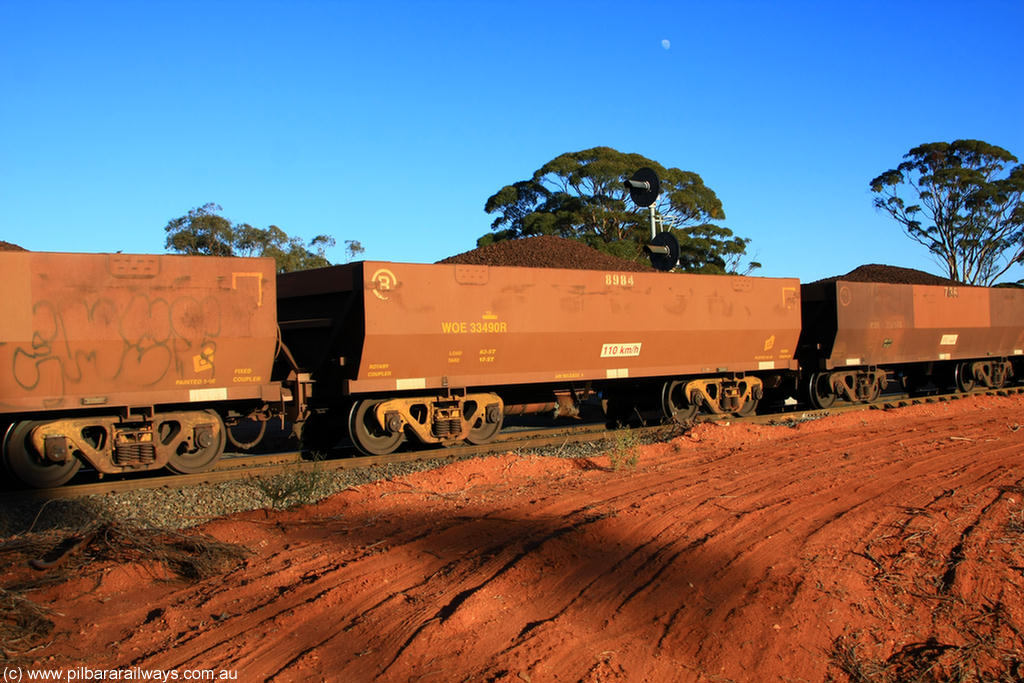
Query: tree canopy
pixel 963 202
pixel 580 195
pixel 204 231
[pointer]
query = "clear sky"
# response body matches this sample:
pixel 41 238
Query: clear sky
pixel 391 123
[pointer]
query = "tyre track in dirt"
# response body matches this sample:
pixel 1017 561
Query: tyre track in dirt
pixel 730 553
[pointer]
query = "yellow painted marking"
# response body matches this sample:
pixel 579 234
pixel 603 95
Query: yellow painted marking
pixel 378 370
pixel 619 279
pixel 203 361
pixel 788 296
pixel 383 282
pixel 245 376
pixel 259 284
pixel 473 327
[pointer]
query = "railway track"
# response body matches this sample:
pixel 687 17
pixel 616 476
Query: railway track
pixel 241 466
pixel 234 467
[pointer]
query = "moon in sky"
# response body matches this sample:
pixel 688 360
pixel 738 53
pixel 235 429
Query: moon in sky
pixel 666 43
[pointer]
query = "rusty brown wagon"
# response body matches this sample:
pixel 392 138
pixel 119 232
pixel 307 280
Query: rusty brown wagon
pixel 858 334
pixel 443 352
pixel 130 362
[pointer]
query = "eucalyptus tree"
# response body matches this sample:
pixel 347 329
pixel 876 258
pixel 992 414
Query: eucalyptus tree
pixel 581 196
pixel 204 231
pixel 961 200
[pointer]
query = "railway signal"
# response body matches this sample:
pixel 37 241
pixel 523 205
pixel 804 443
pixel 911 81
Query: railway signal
pixel 663 249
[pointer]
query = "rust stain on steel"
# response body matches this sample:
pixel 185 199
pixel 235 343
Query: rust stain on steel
pixel 431 324
pixel 87 330
pixel 864 323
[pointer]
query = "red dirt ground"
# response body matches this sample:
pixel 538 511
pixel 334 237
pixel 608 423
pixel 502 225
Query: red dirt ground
pixel 871 546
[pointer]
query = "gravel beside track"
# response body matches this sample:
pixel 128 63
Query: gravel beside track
pixel 178 508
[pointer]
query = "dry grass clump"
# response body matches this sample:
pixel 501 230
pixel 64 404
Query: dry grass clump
pixel 188 555
pixel 191 556
pixel 986 656
pixel 23 624
pixel 35 560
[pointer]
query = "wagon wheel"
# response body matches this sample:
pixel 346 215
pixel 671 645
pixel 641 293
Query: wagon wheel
pixel 206 449
pixel 483 430
pixel 747 409
pixel 674 404
pixel 28 466
pixel 964 376
pixel 820 390
pixel 368 436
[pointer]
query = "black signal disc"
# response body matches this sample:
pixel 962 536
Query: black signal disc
pixel 665 255
pixel 642 196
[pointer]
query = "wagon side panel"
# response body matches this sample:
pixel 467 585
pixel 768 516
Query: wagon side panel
pixel 93 330
pixel 888 324
pixel 435 325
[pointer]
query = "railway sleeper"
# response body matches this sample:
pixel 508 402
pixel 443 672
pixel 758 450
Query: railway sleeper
pixel 43 454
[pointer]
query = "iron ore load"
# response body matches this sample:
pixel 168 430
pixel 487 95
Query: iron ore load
pixel 126 363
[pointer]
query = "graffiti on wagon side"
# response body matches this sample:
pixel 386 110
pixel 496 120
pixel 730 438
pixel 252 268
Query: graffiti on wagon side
pixel 141 342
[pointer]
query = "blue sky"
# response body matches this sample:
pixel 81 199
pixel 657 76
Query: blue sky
pixel 392 123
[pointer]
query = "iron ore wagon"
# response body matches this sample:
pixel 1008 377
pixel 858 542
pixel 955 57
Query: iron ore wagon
pixel 130 362
pixel 443 352
pixel 859 336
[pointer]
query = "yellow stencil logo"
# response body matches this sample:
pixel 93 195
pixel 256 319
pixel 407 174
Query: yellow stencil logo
pixel 203 361
pixel 383 282
pixel 769 343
